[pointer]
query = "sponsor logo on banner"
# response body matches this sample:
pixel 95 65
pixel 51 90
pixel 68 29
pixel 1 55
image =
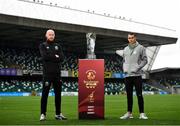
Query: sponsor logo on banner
pixel 64 73
pixel 90 110
pixel 91 97
pixel 90 76
pixel 107 74
pixel 74 73
pixel 118 75
pixel 8 72
pixel 91 89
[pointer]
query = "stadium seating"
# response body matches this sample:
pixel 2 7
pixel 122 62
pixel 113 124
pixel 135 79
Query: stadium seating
pixel 168 83
pixel 20 86
pixel 110 88
pixel 175 81
pixel 28 59
pixel 113 63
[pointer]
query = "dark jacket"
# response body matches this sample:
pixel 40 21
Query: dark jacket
pixel 51 61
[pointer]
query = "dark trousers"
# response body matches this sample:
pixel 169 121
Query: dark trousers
pixel 47 82
pixel 129 83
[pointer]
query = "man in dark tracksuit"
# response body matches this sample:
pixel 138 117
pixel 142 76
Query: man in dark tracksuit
pixel 134 59
pixel 52 56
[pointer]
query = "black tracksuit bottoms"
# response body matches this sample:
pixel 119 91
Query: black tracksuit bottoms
pixel 129 83
pixel 47 82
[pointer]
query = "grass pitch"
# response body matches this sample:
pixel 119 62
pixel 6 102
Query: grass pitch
pixel 161 110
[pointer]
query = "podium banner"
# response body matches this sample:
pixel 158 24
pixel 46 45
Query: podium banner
pixel 91 89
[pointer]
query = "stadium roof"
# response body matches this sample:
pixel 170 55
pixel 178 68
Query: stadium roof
pixel 167 72
pixel 167 69
pixel 25 22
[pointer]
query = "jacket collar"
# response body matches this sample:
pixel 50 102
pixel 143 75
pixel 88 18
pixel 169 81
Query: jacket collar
pixel 132 46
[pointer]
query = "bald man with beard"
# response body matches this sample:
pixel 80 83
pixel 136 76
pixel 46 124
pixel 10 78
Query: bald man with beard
pixel 52 56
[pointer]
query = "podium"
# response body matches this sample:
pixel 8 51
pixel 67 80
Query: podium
pixel 91 89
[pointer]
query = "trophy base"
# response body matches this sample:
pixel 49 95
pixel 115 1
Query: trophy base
pixel 91 56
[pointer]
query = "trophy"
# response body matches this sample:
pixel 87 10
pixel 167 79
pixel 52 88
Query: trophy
pixel 91 38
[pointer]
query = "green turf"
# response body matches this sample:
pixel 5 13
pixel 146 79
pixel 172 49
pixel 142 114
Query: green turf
pixel 161 110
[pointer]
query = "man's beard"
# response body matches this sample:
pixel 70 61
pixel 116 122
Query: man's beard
pixel 49 41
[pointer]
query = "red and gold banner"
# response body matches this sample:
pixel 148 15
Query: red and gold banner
pixel 91 89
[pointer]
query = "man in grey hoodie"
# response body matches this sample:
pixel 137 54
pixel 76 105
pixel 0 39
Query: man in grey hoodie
pixel 134 59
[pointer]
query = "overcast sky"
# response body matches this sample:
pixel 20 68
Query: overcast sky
pixel 158 12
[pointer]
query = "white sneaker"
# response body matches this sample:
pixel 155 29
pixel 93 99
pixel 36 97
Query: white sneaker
pixel 143 116
pixel 42 117
pixel 63 117
pixel 127 116
pixel 60 117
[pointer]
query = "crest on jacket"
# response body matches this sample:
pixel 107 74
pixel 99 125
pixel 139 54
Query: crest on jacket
pixel 56 47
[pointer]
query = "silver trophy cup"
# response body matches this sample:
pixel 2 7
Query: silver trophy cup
pixel 91 38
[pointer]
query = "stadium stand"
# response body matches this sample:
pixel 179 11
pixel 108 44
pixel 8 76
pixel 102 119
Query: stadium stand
pixel 175 81
pixel 20 86
pixel 113 63
pixel 168 83
pixel 110 88
pixel 28 59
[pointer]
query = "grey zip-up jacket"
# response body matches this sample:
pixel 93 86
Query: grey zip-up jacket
pixel 134 59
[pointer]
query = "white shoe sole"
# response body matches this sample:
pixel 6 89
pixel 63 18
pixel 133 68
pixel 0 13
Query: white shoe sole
pixel 143 118
pixel 43 119
pixel 127 118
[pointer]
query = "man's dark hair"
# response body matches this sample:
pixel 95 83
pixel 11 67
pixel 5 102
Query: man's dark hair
pixel 132 33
